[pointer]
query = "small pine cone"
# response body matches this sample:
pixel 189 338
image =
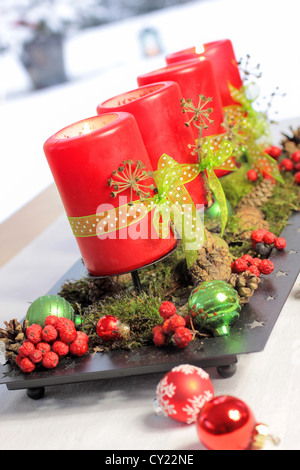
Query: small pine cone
pixel 13 337
pixel 213 262
pixel 259 196
pixel 245 284
pixel 102 287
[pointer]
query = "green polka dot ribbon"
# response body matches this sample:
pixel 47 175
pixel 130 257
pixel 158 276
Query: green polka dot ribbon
pixel 253 134
pixel 172 205
pixel 212 160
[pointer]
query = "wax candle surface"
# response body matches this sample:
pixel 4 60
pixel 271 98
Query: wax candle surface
pixel 82 158
pixel 157 110
pixel 222 56
pixel 194 77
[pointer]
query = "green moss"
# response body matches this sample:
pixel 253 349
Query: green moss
pixel 139 312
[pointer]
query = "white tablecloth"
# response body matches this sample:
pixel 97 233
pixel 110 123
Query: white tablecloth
pixel 117 414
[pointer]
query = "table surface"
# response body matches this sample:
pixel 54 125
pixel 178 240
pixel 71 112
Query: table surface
pixel 117 414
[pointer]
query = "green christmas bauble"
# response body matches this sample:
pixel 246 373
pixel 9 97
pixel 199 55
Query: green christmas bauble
pixel 214 306
pixel 47 305
pixel 214 210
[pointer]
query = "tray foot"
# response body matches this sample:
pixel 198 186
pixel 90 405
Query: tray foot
pixel 36 393
pixel 227 371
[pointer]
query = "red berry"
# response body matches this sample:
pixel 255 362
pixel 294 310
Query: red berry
pixel 60 348
pixel 266 266
pixel 273 151
pixel 182 337
pixel 296 156
pixel 27 366
pixel 34 333
pixel 256 262
pixel 247 258
pixel 297 167
pixel 43 347
pixel 82 335
pixel 176 321
pixel 26 348
pixel 269 238
pixel 258 235
pixel 19 359
pixel 167 310
pixel 287 164
pixel 252 175
pixel 240 265
pixel 159 338
pixel 50 360
pixel 62 322
pixel 297 177
pixel 254 270
pixel 78 348
pixel 49 334
pixel 36 356
pixel 166 328
pixel 156 328
pixel 68 334
pixel 51 320
pixel 280 243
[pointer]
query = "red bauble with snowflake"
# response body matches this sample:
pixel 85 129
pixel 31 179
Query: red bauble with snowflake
pixel 183 392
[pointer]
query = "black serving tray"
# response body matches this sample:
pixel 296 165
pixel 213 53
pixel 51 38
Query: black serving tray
pixel 248 335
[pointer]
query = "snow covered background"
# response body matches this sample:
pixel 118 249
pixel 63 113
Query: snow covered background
pixel 105 60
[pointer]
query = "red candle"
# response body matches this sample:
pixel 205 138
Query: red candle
pixel 222 56
pixel 160 119
pixel 194 78
pixel 82 158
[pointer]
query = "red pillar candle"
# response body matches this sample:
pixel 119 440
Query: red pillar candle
pixel 222 56
pixel 82 158
pixel 194 78
pixel 157 110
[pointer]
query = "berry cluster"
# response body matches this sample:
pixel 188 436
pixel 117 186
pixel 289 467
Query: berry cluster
pixel 45 346
pixel 263 241
pixel 292 164
pixel 255 266
pixel 174 326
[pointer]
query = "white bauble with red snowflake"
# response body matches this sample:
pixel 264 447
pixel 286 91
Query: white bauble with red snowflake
pixel 183 392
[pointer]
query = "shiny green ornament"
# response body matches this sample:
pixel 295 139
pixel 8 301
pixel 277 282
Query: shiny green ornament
pixel 214 306
pixel 47 305
pixel 214 211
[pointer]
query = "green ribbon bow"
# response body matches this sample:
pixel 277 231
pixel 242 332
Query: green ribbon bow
pixel 255 133
pixel 209 164
pixel 174 206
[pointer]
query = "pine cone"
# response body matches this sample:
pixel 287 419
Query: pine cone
pixel 251 218
pixel 13 337
pixel 213 263
pixel 102 287
pixel 259 196
pixel 291 143
pixel 245 284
